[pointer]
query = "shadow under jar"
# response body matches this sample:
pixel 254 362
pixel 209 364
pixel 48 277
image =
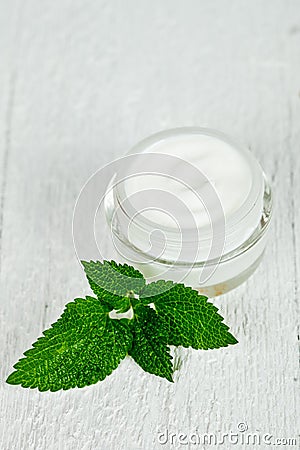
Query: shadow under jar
pixel 190 206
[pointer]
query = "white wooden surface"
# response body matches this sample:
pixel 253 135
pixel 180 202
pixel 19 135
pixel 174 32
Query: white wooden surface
pixel 81 82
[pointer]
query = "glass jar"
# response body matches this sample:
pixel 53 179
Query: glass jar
pixel 190 206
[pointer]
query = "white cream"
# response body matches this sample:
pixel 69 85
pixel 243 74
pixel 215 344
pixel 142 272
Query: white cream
pixel 223 165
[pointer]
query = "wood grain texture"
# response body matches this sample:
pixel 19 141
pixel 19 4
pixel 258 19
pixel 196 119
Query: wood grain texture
pixel 81 82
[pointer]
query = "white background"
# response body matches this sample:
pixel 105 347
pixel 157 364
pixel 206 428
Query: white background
pixel 80 83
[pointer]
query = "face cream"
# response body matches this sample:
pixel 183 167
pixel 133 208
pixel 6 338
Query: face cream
pixel 190 206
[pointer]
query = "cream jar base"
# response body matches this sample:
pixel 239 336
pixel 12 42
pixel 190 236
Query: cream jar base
pixel 226 286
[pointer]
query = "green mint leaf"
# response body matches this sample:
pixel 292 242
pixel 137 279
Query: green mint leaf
pixel 110 280
pixel 149 348
pixel 191 320
pixel 85 345
pixel 82 347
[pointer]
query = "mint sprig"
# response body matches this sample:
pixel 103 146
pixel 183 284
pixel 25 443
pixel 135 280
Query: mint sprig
pixel 87 342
